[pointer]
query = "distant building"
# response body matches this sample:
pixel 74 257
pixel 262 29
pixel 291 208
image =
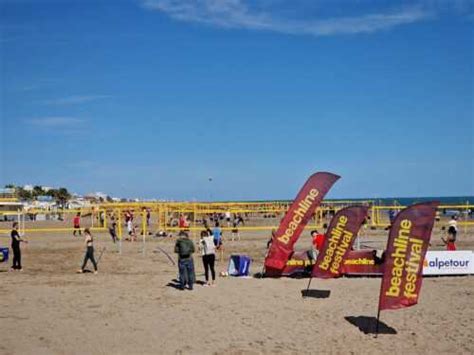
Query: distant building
pixel 7 193
pixel 28 188
pixel 96 197
pixel 77 203
pixel 8 209
pixel 44 198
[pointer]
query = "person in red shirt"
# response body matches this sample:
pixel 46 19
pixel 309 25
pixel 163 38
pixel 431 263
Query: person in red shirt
pixel 318 240
pixel 182 222
pixel 450 242
pixel 317 244
pixel 77 223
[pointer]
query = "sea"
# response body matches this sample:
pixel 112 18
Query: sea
pixel 407 201
pixel 403 201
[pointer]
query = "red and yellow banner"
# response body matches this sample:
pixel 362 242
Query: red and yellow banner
pixel 340 236
pixel 406 249
pixel 300 212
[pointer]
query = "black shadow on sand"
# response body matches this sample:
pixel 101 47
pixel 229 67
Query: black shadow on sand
pixel 367 325
pixel 174 285
pixel 315 293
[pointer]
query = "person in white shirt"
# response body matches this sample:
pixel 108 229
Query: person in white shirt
pixel 453 227
pixel 227 218
pixel 208 252
pixel 453 223
pixel 131 230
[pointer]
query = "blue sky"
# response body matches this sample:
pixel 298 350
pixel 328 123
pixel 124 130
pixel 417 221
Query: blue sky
pixel 151 98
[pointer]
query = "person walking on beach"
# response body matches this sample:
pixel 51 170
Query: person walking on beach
pixel 77 223
pixel 16 240
pixel 184 247
pixel 208 252
pixel 89 242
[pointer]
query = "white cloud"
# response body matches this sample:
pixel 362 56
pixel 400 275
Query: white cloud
pixel 75 99
pixel 237 14
pixel 56 122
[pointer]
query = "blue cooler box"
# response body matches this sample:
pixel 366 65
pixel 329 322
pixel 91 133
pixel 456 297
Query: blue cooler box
pixel 239 265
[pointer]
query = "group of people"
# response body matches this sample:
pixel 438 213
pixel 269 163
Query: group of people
pixel 209 243
pixel 16 240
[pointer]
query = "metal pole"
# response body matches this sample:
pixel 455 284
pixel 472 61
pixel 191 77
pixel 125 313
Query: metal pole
pixel 144 230
pixel 309 284
pixel 119 224
pixel 377 324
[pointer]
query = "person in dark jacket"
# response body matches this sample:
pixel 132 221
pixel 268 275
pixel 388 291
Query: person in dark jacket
pixel 16 240
pixel 184 247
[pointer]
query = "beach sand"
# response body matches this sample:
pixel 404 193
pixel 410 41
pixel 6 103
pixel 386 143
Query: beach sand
pixel 130 307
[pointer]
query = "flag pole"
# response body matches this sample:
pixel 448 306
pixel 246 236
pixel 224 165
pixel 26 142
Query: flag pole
pixel 310 279
pixel 309 283
pixel 377 324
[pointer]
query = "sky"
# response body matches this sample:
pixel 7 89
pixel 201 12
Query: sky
pixel 238 100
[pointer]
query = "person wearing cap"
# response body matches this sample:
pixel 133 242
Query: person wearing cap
pixel 184 247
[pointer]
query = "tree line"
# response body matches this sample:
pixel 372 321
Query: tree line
pixel 60 195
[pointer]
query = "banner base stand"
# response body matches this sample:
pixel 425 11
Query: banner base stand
pixel 315 293
pixel 367 325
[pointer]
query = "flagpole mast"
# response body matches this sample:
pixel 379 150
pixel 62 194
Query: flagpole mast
pixel 309 283
pixel 377 324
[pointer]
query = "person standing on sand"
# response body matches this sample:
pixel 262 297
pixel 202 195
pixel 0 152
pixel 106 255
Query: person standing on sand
pixel 452 233
pixel 208 252
pixel 89 242
pixel 217 236
pixel 217 233
pixel 16 240
pixel 235 231
pixel 450 242
pixel 112 229
pixel 148 217
pixel 272 237
pixel 131 230
pixel 184 247
pixel 317 243
pixel 227 218
pixel 77 223
pixel 453 226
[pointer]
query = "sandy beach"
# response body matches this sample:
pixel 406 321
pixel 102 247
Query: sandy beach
pixel 131 307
